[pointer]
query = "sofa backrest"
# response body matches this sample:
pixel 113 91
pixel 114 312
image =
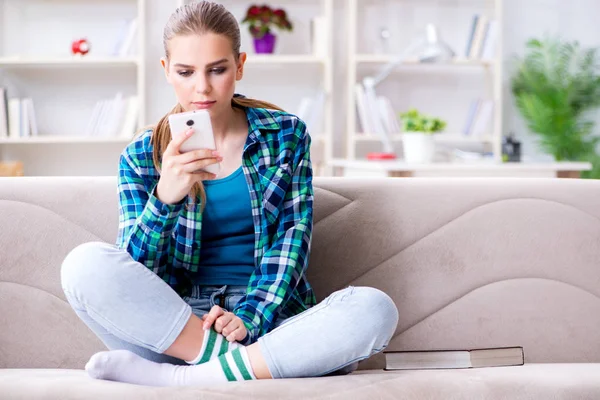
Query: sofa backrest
pixel 470 262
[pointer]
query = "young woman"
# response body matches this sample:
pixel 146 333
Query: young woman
pixel 207 281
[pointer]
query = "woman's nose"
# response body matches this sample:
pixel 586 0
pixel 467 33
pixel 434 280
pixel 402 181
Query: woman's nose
pixel 202 84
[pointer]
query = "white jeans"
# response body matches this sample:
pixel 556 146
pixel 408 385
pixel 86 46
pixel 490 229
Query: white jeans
pixel 129 307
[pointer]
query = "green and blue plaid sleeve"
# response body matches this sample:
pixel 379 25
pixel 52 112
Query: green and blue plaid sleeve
pixel 285 262
pixel 145 223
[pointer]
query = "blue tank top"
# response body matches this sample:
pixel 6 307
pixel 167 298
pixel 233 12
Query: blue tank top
pixel 227 251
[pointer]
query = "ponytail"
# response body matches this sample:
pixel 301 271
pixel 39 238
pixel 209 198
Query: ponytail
pixel 241 101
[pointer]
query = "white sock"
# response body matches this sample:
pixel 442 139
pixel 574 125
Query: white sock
pixel 125 366
pixel 213 345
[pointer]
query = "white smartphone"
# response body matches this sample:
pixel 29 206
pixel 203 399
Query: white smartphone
pixel 202 138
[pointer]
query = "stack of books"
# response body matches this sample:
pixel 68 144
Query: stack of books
pixel 483 38
pixel 125 43
pixel 17 117
pixel 116 117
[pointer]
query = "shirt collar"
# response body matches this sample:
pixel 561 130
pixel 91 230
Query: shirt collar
pixel 260 122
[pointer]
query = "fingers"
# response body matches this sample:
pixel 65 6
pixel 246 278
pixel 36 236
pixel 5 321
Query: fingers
pixel 196 165
pixel 227 324
pixel 212 316
pixel 238 334
pixel 196 155
pixel 175 143
pixel 222 322
pixel 204 176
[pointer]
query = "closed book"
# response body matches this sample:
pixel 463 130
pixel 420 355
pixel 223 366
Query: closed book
pixel 14 118
pixel 3 113
pixel 454 359
pixel 471 35
pixel 478 37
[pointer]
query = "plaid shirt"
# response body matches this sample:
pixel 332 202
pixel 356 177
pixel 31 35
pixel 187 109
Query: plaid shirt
pixel 166 238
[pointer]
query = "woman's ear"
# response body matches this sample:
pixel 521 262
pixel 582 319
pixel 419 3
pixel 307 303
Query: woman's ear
pixel 239 73
pixel 165 64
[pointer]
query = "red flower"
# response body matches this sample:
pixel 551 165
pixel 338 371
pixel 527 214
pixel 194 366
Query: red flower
pixel 254 10
pixel 261 18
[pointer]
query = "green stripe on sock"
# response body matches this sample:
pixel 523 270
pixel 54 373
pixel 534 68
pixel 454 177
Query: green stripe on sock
pixel 212 338
pixel 224 347
pixel 228 374
pixel 239 361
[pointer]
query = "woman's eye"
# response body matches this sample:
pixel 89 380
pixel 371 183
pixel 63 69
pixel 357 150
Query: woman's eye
pixel 217 71
pixel 185 73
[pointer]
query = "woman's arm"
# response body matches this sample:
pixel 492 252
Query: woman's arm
pixel 145 223
pixel 282 266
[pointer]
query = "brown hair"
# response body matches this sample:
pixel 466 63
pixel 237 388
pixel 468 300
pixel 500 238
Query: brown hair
pixel 199 18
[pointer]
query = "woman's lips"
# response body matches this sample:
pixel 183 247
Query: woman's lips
pixel 203 104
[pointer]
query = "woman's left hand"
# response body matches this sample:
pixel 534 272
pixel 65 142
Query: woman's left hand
pixel 226 323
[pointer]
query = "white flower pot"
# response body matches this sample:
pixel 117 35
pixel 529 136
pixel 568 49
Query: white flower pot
pixel 418 147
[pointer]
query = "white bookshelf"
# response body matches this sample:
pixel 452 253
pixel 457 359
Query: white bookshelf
pixel 17 62
pixel 295 58
pixel 55 139
pixel 414 84
pixel 36 62
pixel 65 88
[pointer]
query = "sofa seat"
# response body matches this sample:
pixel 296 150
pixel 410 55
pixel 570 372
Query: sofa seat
pixel 530 381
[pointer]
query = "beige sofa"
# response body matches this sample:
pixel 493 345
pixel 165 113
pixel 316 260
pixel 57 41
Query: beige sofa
pixel 469 262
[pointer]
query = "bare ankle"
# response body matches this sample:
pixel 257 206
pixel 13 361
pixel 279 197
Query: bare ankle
pixel 257 361
pixel 189 342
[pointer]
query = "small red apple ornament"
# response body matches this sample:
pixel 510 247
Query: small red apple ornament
pixel 80 46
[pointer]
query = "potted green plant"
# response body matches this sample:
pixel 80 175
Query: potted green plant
pixel 417 137
pixel 556 85
pixel 261 20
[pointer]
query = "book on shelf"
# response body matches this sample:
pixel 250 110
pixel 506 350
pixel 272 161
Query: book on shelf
pixel 363 110
pixel 116 117
pixel 479 118
pixel 482 38
pixel 310 111
pixel 318 31
pixel 375 113
pixel 125 43
pixel 3 113
pixel 17 117
pixel 455 359
pixel 388 115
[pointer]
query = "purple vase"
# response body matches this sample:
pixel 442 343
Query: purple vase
pixel 265 45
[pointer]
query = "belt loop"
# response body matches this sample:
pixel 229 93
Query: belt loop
pixel 221 293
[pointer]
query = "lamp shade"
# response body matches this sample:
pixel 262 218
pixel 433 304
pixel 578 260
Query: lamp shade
pixel 433 49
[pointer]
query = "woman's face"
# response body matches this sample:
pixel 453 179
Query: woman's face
pixel 203 71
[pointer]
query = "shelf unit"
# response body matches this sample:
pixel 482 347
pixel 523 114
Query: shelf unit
pixel 65 88
pixel 50 139
pixel 411 74
pixel 65 62
pixel 265 72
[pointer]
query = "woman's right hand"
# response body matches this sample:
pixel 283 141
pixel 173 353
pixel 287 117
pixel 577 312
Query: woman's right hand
pixel 180 171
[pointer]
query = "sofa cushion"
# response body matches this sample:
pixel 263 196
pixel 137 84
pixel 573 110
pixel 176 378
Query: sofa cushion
pixel 531 381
